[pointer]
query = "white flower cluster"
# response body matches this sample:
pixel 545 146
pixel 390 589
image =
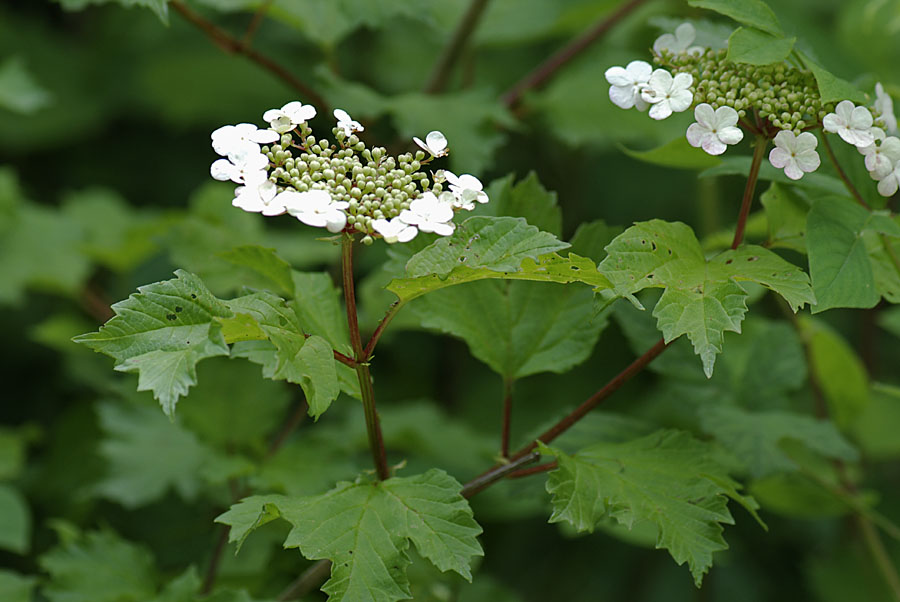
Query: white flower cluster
pixel 340 188
pixel 871 130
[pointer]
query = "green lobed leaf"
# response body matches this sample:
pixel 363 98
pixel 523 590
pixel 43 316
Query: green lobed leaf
pixel 754 437
pixel 839 261
pixel 496 243
pixel 702 298
pixel 264 262
pixel 667 478
pixel 517 328
pixel 15 521
pixel 292 356
pixel 161 332
pixel 786 216
pixel 876 426
pixel 547 268
pixel 884 256
pixel 755 47
pixel 591 238
pixel 526 198
pixel 99 567
pixel 15 587
pixel 18 90
pixel 677 153
pixel 754 13
pixel 365 529
pixel 831 87
pixel 318 306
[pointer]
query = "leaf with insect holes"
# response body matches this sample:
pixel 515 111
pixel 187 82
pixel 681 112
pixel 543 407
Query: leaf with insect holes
pixel 702 299
pixel 667 478
pixel 365 529
pixel 161 332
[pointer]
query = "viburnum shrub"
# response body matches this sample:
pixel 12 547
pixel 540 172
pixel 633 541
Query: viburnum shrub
pixel 471 261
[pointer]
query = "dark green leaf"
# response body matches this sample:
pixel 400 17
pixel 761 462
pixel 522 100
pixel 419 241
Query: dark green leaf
pixel 667 478
pixel 754 13
pixel 678 154
pixel 15 521
pixel 754 47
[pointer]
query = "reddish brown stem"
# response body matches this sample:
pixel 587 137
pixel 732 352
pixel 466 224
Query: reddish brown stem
pixel 379 330
pixel 548 68
pixel 596 399
pixel 232 45
pixel 258 17
pixel 759 152
pixel 489 477
pixel 527 472
pixel 444 66
pixel 507 416
pixel 841 173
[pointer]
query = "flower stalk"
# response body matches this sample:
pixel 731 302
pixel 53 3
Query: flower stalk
pixel 367 391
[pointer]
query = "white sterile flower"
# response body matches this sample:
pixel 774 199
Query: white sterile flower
pixel 229 139
pixel 884 104
pixel 435 144
pixel 627 83
pixel 289 116
pixel 881 156
pixel 795 154
pixel 678 42
pixel 317 208
pixel 887 186
pixel 240 165
pixel 430 214
pixel 466 189
pixel 255 196
pixel 346 123
pixel 395 230
pixel 668 94
pixel 715 128
pixel 852 123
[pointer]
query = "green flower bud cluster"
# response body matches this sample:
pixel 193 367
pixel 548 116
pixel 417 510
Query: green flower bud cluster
pixel 375 184
pixel 787 97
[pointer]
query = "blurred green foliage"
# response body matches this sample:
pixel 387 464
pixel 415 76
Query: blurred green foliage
pixel 105 113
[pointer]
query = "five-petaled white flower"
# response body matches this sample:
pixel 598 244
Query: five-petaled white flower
pixel 853 124
pixel 229 139
pixel 395 230
pixel 884 104
pixel 668 94
pixel 678 42
pixel 465 189
pixel 240 165
pixel 317 208
pixel 714 128
pixel 256 195
pixel 627 83
pixel 346 123
pixel 429 214
pixel 795 154
pixel 289 116
pixel 435 144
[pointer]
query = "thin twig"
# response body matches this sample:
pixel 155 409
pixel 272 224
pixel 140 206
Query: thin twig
pixel 488 478
pixel 758 152
pixel 232 45
pixel 879 554
pixel 437 81
pixel 307 582
pixel 212 570
pixel 297 416
pixel 596 399
pixel 388 316
pixel 527 472
pixel 543 72
pixel 841 173
pixel 507 417
pixel 258 17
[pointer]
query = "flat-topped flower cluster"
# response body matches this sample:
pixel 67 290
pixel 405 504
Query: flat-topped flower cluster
pixel 342 187
pixel 778 102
